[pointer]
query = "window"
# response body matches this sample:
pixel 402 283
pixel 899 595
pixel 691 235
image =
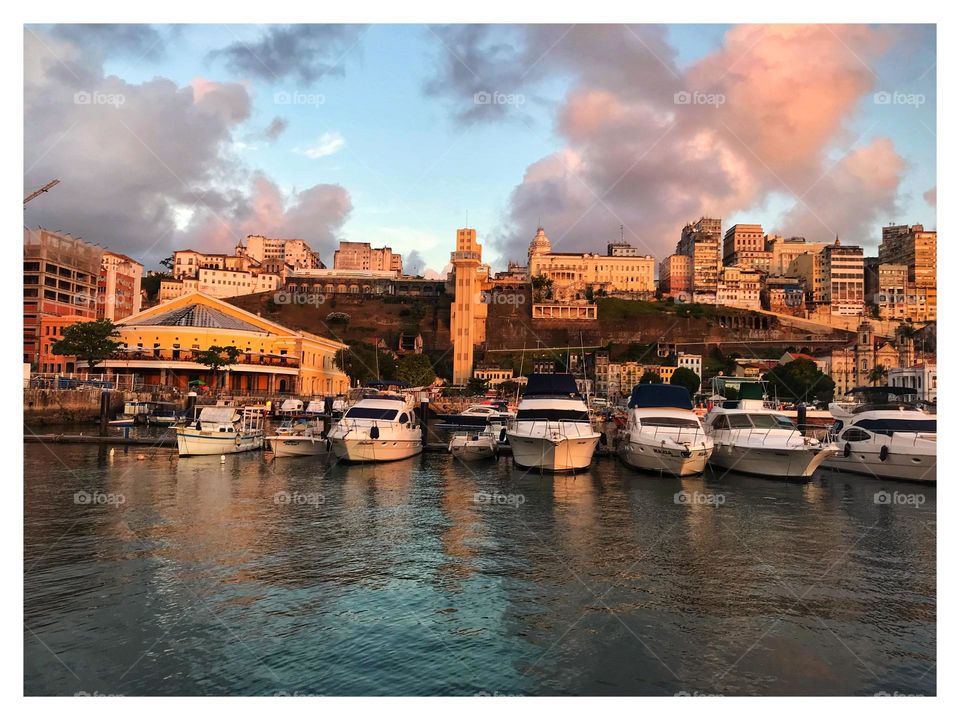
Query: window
pixel 855 435
pixel 368 413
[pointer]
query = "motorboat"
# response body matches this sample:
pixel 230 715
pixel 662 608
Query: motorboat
pixel 299 438
pixel 380 427
pixel 222 429
pixel 884 435
pixel 552 429
pixel 476 445
pixel 340 405
pixel 163 414
pixel 290 407
pixel 479 415
pixel 751 436
pixel 662 433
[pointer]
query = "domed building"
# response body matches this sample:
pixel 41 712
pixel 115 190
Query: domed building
pixel 539 245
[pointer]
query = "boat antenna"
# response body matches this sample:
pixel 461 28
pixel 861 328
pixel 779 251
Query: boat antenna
pixel 522 353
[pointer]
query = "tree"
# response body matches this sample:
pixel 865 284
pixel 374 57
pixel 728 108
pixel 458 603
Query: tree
pixel 151 284
pixel 476 386
pixel 877 375
pixel 416 370
pixel 508 388
pixel 167 262
pixel 417 313
pixel 800 381
pixel 542 288
pixel 92 342
pixel 217 357
pixel 649 377
pixel 686 378
pixel 361 361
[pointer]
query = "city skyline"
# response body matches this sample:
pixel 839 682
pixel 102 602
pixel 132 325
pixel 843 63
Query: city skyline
pixel 201 135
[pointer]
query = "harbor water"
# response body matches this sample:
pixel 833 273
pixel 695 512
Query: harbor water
pixel 145 574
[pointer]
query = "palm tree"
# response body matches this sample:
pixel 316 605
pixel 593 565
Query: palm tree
pixel 877 375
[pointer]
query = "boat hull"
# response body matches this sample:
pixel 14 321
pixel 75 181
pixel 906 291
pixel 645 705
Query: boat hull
pixel 362 450
pixel 897 466
pixel 655 458
pixel 795 462
pixel 194 442
pixel 553 455
pixel 293 446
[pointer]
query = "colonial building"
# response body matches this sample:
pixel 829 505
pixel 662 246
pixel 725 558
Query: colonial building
pixel 292 253
pixel 360 256
pixel 60 277
pixel 221 283
pixel 739 286
pixel 161 345
pixel 850 366
pixel 575 276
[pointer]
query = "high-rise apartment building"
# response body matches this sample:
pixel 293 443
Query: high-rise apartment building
pixel 783 251
pixel 60 276
pixel 675 276
pixel 744 244
pixel 701 242
pixel 292 252
pixel 916 248
pixel 841 278
pixel 118 286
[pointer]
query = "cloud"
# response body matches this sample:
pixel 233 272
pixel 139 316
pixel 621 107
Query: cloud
pixel 142 42
pixel 649 145
pixel 145 168
pixel 931 196
pixel 304 52
pixel 327 144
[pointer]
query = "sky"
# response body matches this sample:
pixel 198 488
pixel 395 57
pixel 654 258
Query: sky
pixel 167 137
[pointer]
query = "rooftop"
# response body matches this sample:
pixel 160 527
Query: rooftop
pixel 197 315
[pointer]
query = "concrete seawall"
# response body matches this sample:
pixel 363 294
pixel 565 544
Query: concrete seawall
pixel 47 406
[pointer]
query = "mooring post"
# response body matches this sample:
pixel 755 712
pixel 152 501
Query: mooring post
pixel 327 414
pixel 104 410
pixel 802 418
pixel 188 411
pixel 424 408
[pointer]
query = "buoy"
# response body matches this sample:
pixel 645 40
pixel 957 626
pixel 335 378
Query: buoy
pixel 223 459
pixel 884 453
pixel 112 451
pixel 846 450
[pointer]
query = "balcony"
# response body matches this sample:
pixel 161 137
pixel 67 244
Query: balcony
pixel 190 356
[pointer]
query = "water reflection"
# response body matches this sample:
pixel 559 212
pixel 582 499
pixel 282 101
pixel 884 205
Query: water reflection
pixel 257 576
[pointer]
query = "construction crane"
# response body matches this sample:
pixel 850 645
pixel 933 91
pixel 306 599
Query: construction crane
pixel 44 189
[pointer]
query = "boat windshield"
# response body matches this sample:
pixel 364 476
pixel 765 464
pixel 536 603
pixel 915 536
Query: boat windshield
pixel 550 414
pixel 669 422
pixel 370 413
pixel 761 421
pixel 888 426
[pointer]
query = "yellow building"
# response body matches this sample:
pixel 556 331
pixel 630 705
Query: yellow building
pixel 468 314
pixel 160 344
pixel 573 273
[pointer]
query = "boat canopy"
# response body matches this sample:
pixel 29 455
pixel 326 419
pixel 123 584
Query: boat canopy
pixel 751 391
pixel 291 405
pixel 218 414
pixel 551 385
pixel 656 395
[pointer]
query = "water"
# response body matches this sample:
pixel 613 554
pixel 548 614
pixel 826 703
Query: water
pixel 284 578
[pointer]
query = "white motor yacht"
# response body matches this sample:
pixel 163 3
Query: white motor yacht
pixel 380 427
pixel 479 415
pixel 884 436
pixel 663 434
pixel 552 428
pixel 222 429
pixel 298 438
pixel 476 445
pixel 751 436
